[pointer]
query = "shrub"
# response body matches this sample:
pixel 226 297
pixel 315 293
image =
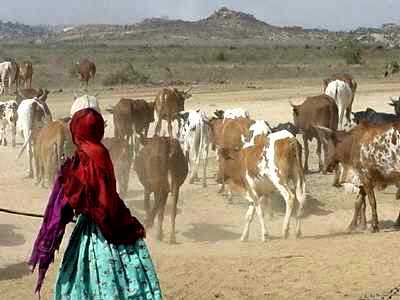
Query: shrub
pixel 126 75
pixel 221 56
pixel 350 50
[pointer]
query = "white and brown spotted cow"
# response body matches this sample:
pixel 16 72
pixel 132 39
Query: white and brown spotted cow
pixel 273 163
pixel 370 156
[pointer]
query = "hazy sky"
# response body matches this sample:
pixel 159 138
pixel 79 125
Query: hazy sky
pixel 330 14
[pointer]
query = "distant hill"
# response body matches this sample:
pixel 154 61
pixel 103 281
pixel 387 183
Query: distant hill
pixel 224 27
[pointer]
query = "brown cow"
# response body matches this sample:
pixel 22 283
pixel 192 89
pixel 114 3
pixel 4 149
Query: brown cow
pixel 25 74
pixel 132 117
pixel 350 81
pixel 226 135
pixel 122 160
pixel 168 103
pixel 86 70
pixel 270 163
pixel 162 168
pixel 369 156
pixel 49 147
pixel 315 111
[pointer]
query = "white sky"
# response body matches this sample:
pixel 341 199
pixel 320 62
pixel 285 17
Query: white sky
pixel 329 14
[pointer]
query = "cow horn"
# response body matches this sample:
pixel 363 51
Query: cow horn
pixel 291 103
pixel 187 91
pixel 98 93
pixel 75 95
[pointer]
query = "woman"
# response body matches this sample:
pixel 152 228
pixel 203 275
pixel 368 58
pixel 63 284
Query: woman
pixel 106 257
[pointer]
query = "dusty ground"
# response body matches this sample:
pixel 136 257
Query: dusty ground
pixel 209 262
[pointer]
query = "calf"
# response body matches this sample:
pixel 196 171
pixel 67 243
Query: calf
pixel 86 70
pixel 168 103
pixel 341 92
pixel 194 137
pixel 122 160
pixel 273 163
pixel 8 73
pixel 228 135
pixel 49 147
pixel 8 119
pixel 161 167
pixel 369 156
pixel 315 111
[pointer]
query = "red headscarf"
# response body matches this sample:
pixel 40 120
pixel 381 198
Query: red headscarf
pixel 90 185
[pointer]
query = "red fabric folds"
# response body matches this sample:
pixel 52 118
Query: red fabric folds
pixel 90 185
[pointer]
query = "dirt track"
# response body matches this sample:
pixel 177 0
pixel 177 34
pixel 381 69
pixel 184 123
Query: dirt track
pixel 209 262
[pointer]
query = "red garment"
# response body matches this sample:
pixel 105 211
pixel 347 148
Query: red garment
pixel 90 185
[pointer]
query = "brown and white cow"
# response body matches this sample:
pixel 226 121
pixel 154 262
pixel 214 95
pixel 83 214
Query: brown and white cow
pixel 226 135
pixel 49 148
pixel 132 117
pixel 315 111
pixel 28 93
pixel 86 70
pixel 271 163
pixel 122 160
pixel 369 155
pixel 25 74
pixel 162 168
pixel 168 103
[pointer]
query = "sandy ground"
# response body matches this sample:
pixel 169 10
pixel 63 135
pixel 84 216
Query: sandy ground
pixel 209 262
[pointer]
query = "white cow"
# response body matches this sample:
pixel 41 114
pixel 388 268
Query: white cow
pixel 194 136
pixel 32 114
pixel 8 71
pixel 8 119
pixel 232 113
pixel 83 102
pixel 341 92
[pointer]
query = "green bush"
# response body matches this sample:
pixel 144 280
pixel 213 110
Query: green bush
pixel 350 50
pixel 125 75
pixel 221 56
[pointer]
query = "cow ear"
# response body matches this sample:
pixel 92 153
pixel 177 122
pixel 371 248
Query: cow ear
pixel 392 104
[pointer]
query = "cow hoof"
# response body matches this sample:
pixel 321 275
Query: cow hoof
pixel 374 229
pixel 172 241
pixel 192 180
pixel 159 236
pixel 298 234
pixel 204 185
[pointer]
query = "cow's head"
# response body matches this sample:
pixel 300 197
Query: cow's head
pixel 296 110
pixel 325 83
pixel 395 102
pixel 338 145
pixel 286 126
pixel 182 97
pixel 219 113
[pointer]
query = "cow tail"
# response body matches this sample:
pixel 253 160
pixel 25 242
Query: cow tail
pixel 300 178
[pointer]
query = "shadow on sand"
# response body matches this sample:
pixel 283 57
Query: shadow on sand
pixel 14 271
pixel 201 232
pixel 8 236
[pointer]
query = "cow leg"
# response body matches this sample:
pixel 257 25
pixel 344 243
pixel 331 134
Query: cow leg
pixel 357 210
pixel 161 211
pixel 13 135
pixel 397 223
pixel 175 197
pixel 260 214
pixel 289 199
pixel 341 114
pixel 363 217
pixel 158 127
pixel 372 203
pixel 319 152
pixel 249 218
pixel 398 191
pixel 147 203
pixel 336 179
pixel 205 162
pixel 306 153
pixel 170 129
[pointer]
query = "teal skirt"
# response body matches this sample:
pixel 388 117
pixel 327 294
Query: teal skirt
pixel 94 269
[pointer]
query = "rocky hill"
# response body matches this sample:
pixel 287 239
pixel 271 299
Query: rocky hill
pixel 224 27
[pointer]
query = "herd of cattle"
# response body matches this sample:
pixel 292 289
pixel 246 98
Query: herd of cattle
pixel 254 158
